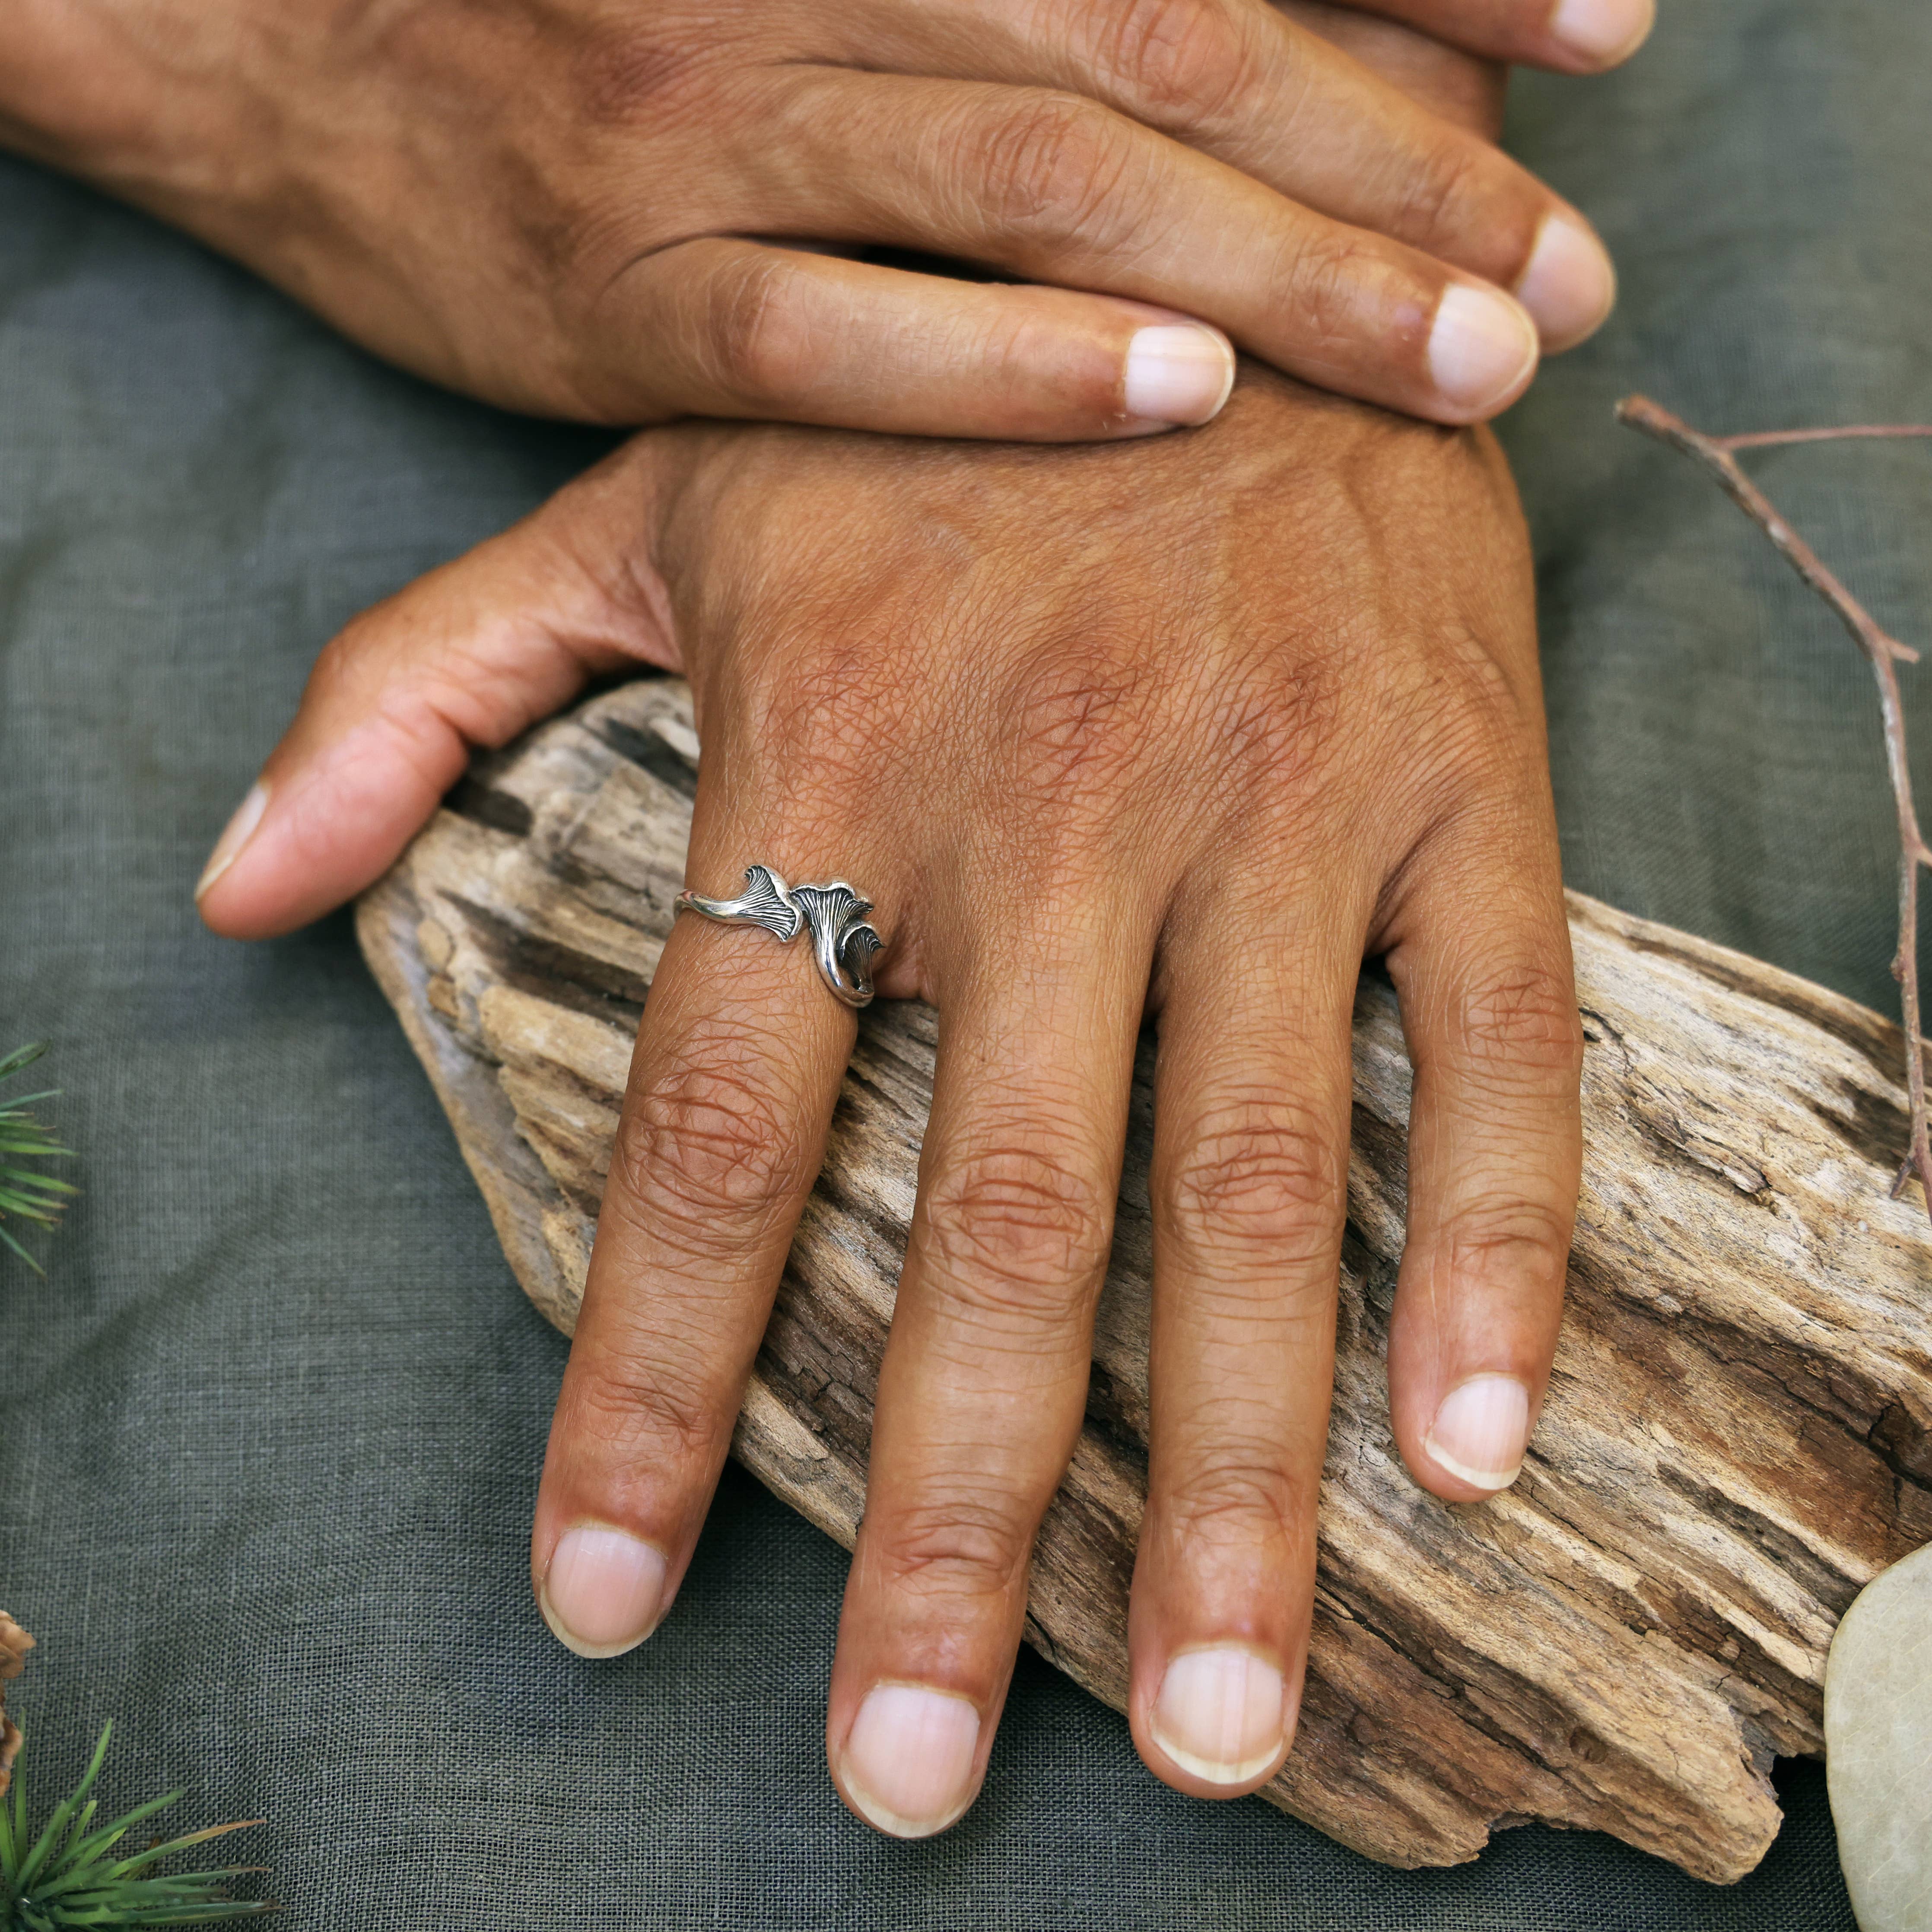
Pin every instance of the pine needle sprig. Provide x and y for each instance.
(66, 1876)
(25, 1191)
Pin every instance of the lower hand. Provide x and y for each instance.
(1184, 729)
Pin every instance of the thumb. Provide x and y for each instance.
(471, 654)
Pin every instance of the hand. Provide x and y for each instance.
(1184, 727)
(565, 207)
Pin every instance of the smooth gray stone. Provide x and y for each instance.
(1878, 1748)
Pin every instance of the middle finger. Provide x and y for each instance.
(984, 1382)
(1249, 1186)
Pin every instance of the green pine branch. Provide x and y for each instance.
(67, 1875)
(26, 1193)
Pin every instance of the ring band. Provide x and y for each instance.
(842, 944)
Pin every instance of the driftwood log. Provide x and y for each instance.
(1739, 1436)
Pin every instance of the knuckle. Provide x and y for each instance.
(1326, 274)
(348, 656)
(1006, 1223)
(954, 1550)
(1257, 1173)
(1510, 1236)
(825, 726)
(1434, 199)
(1285, 728)
(1181, 59)
(616, 1406)
(713, 1137)
(756, 342)
(1478, 683)
(1051, 168)
(1522, 1020)
(1472, 716)
(630, 69)
(1078, 726)
(1238, 1494)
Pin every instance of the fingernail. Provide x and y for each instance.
(1569, 285)
(236, 834)
(1180, 374)
(1481, 1431)
(908, 1761)
(1482, 349)
(1603, 31)
(1219, 1714)
(601, 1592)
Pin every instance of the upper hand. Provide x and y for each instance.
(583, 210)
(1187, 727)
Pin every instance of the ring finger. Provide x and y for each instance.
(736, 1069)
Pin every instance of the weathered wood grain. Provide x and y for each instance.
(1739, 1435)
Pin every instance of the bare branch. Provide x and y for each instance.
(1882, 652)
(1777, 439)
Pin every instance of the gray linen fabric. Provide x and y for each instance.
(271, 1427)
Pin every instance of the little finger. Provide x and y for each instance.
(1481, 961)
(745, 328)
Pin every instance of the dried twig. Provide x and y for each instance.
(1882, 652)
(1777, 439)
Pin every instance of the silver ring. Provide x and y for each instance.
(843, 944)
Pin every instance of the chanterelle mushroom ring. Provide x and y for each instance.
(841, 942)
